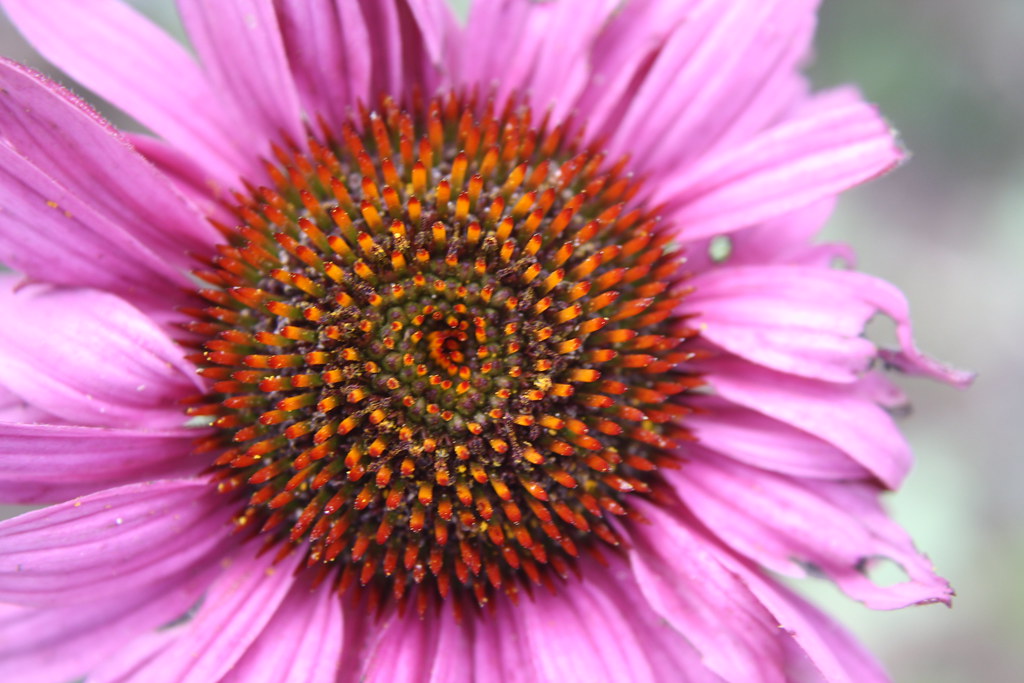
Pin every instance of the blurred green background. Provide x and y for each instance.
(947, 228)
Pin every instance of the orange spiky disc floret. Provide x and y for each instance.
(444, 349)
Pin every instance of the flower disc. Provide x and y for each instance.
(444, 348)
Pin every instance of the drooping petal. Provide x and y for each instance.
(91, 358)
(42, 463)
(788, 524)
(788, 239)
(69, 143)
(117, 53)
(668, 653)
(747, 627)
(684, 582)
(234, 614)
(833, 142)
(301, 643)
(807, 321)
(110, 543)
(752, 438)
(846, 416)
(838, 657)
(804, 321)
(240, 45)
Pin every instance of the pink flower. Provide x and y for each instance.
(463, 410)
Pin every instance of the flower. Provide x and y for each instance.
(505, 350)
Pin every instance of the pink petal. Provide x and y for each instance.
(239, 43)
(787, 524)
(53, 236)
(623, 56)
(484, 650)
(726, 72)
(789, 239)
(600, 629)
(747, 626)
(62, 643)
(66, 140)
(91, 358)
(846, 416)
(684, 581)
(550, 42)
(48, 464)
(401, 649)
(117, 53)
(300, 644)
(669, 654)
(14, 408)
(406, 40)
(838, 657)
(346, 53)
(236, 611)
(500, 652)
(831, 144)
(805, 321)
(110, 543)
(326, 56)
(755, 439)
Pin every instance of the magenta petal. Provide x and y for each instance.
(725, 72)
(668, 653)
(234, 614)
(800, 320)
(838, 657)
(49, 464)
(551, 43)
(787, 524)
(14, 408)
(402, 649)
(846, 416)
(830, 144)
(747, 627)
(53, 236)
(91, 358)
(625, 54)
(806, 320)
(62, 643)
(755, 439)
(789, 239)
(568, 641)
(684, 581)
(119, 54)
(345, 53)
(405, 43)
(109, 543)
(189, 178)
(325, 56)
(241, 49)
(300, 644)
(66, 140)
(501, 654)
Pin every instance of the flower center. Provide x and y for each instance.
(444, 350)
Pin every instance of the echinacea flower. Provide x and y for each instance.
(410, 351)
